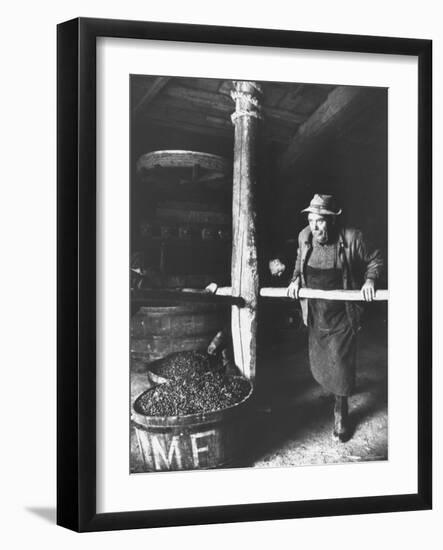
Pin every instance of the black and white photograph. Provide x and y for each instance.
(221, 245)
(258, 274)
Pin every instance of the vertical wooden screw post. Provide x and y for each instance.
(244, 272)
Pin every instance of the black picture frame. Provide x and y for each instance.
(76, 372)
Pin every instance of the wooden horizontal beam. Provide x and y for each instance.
(333, 109)
(147, 295)
(222, 103)
(207, 127)
(345, 295)
(165, 122)
(288, 118)
(225, 294)
(279, 125)
(281, 292)
(152, 92)
(201, 98)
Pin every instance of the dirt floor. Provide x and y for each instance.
(296, 423)
(292, 420)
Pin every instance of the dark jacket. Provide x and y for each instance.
(359, 262)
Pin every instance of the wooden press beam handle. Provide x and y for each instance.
(280, 292)
(146, 295)
(224, 293)
(348, 295)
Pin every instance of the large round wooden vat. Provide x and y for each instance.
(195, 441)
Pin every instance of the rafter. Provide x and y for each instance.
(158, 85)
(332, 111)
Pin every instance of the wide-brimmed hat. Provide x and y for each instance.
(323, 205)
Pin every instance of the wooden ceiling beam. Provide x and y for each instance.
(339, 104)
(174, 107)
(213, 128)
(171, 111)
(286, 117)
(152, 92)
(190, 127)
(223, 103)
(215, 101)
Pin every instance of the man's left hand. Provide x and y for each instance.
(276, 267)
(368, 290)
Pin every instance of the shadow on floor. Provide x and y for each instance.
(48, 514)
(294, 422)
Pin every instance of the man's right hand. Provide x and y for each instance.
(293, 289)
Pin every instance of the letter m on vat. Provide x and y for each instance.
(161, 459)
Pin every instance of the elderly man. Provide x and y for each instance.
(330, 257)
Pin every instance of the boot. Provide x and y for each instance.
(341, 418)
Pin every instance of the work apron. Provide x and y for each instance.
(332, 342)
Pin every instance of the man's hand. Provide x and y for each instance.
(293, 289)
(368, 290)
(276, 267)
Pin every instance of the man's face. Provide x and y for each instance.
(320, 227)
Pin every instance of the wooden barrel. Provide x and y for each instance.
(194, 441)
(158, 330)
